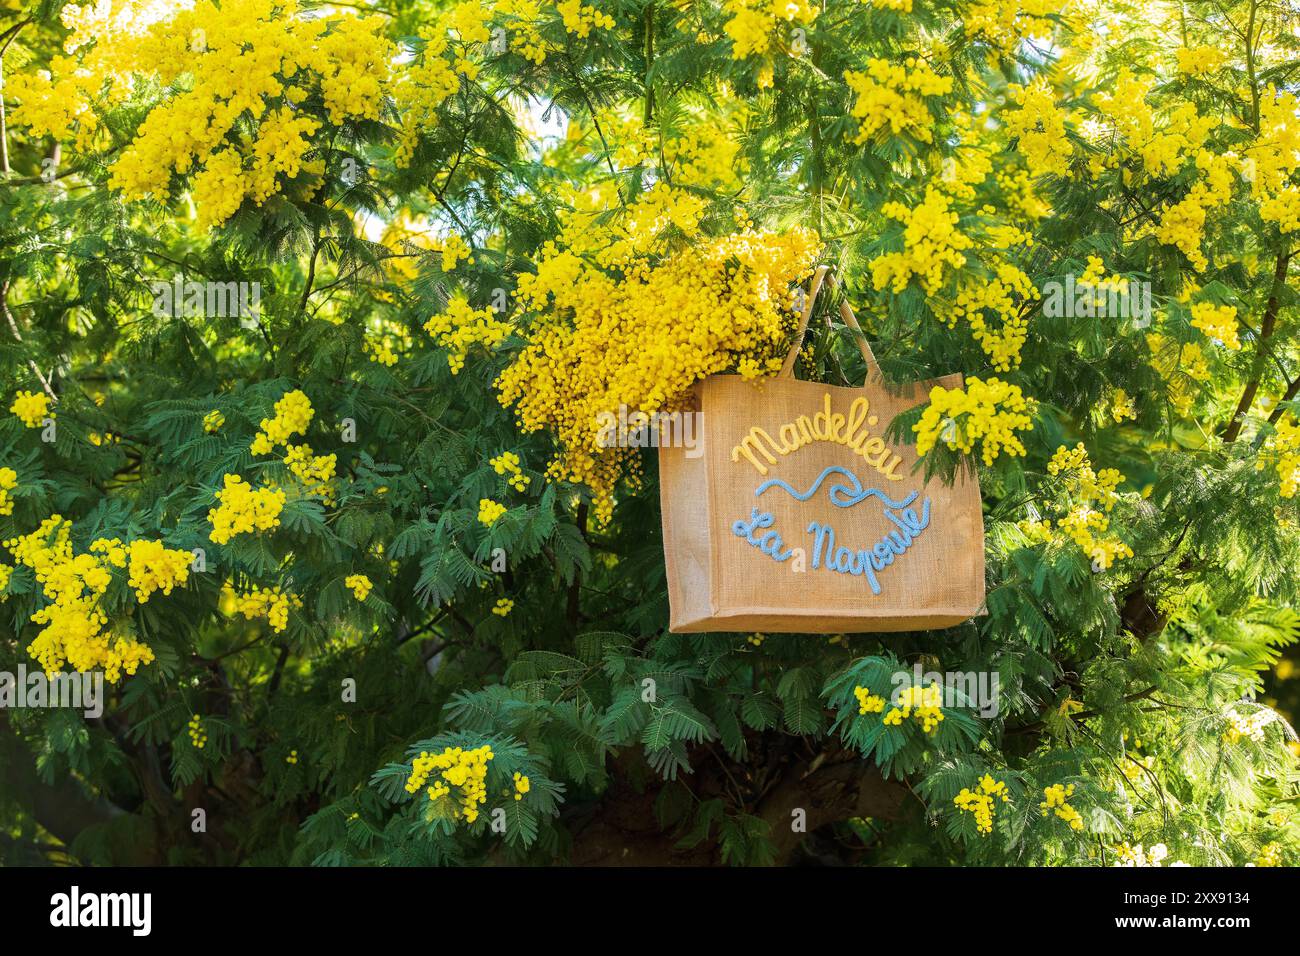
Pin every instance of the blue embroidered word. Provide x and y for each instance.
(846, 491)
(841, 495)
(759, 532)
(867, 563)
(769, 542)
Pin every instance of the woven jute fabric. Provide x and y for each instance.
(794, 513)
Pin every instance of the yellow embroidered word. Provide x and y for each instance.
(823, 426)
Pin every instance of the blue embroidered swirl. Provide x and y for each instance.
(841, 495)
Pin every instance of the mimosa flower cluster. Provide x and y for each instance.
(243, 509)
(1274, 159)
(1008, 295)
(379, 350)
(359, 584)
(1249, 726)
(1076, 467)
(1183, 224)
(868, 703)
(271, 604)
(753, 23)
(293, 414)
(1270, 854)
(155, 567)
(1038, 127)
(1218, 322)
(1199, 60)
(1137, 769)
(980, 801)
(489, 511)
(232, 62)
(507, 465)
(74, 624)
(462, 328)
(1006, 25)
(600, 227)
(198, 736)
(315, 472)
(1055, 800)
(1036, 530)
(580, 20)
(606, 267)
(462, 776)
(989, 412)
(8, 482)
(523, 19)
(1094, 278)
(922, 704)
(1089, 490)
(448, 53)
(1282, 449)
(894, 95)
(522, 785)
(433, 76)
(238, 74)
(1162, 144)
(1183, 366)
(596, 222)
(1134, 856)
(931, 241)
(32, 408)
(644, 339)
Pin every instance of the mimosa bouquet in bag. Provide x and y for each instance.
(799, 514)
(785, 506)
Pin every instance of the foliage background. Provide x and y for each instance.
(1129, 684)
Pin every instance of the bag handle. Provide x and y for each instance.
(822, 275)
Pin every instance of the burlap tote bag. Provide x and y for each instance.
(793, 513)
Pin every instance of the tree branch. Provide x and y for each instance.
(1233, 428)
(13, 327)
(1290, 393)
